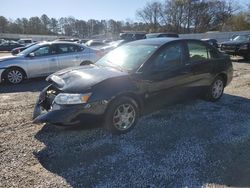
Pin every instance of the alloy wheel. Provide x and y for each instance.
(15, 76)
(124, 117)
(217, 89)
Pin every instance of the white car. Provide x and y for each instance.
(45, 58)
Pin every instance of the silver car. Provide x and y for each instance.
(43, 59)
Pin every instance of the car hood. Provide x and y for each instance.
(235, 42)
(7, 58)
(81, 79)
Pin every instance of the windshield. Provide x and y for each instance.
(29, 49)
(242, 38)
(127, 57)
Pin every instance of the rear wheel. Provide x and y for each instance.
(215, 90)
(121, 115)
(14, 76)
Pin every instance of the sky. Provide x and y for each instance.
(80, 9)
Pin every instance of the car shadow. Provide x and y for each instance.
(183, 145)
(31, 85)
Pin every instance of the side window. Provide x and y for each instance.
(67, 48)
(42, 51)
(197, 52)
(62, 48)
(169, 57)
(73, 48)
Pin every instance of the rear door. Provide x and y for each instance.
(69, 55)
(201, 60)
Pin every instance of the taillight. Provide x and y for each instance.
(99, 53)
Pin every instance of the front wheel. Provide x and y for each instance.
(215, 90)
(14, 76)
(121, 115)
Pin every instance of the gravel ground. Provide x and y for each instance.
(193, 144)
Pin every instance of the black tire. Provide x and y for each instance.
(215, 90)
(86, 63)
(112, 119)
(14, 76)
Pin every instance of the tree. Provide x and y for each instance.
(53, 26)
(151, 14)
(35, 25)
(3, 24)
(45, 20)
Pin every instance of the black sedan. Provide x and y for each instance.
(238, 45)
(22, 48)
(8, 46)
(212, 42)
(119, 86)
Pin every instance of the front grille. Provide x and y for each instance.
(51, 93)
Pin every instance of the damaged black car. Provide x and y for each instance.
(119, 86)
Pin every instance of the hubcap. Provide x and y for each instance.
(217, 89)
(15, 76)
(124, 116)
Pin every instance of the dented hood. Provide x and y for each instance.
(81, 79)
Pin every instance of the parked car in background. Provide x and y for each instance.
(125, 38)
(95, 44)
(131, 36)
(10, 45)
(20, 49)
(25, 41)
(2, 41)
(239, 45)
(212, 42)
(121, 84)
(69, 40)
(43, 59)
(159, 35)
(112, 45)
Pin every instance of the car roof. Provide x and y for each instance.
(158, 41)
(57, 42)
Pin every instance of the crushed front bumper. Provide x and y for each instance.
(46, 111)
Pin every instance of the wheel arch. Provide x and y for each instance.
(131, 95)
(86, 62)
(224, 77)
(13, 67)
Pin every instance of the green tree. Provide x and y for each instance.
(3, 24)
(45, 20)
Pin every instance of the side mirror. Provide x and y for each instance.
(32, 54)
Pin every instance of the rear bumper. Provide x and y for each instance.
(68, 114)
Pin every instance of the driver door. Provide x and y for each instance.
(167, 75)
